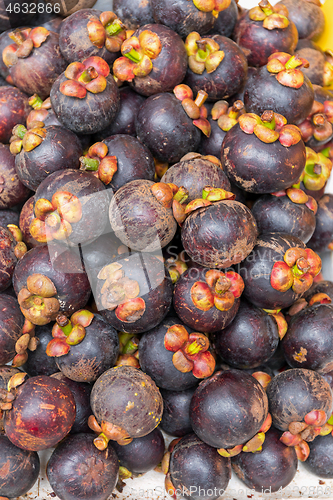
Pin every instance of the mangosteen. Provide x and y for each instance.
(4, 41)
(9, 217)
(319, 461)
(226, 20)
(176, 412)
(153, 60)
(265, 29)
(134, 13)
(26, 217)
(322, 240)
(20, 469)
(12, 191)
(307, 16)
(317, 129)
(14, 109)
(77, 469)
(38, 362)
(85, 98)
(263, 154)
(322, 286)
(316, 173)
(216, 65)
(34, 60)
(12, 322)
(11, 250)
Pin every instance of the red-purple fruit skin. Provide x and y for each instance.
(294, 393)
(228, 78)
(133, 13)
(307, 16)
(258, 167)
(19, 469)
(42, 404)
(38, 362)
(14, 109)
(226, 20)
(26, 216)
(322, 286)
(323, 233)
(8, 259)
(194, 465)
(228, 408)
(77, 469)
(12, 191)
(11, 322)
(271, 469)
(64, 269)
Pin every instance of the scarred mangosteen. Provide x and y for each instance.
(307, 16)
(134, 292)
(174, 358)
(196, 468)
(282, 87)
(142, 454)
(41, 404)
(317, 129)
(319, 461)
(263, 154)
(85, 98)
(153, 60)
(119, 159)
(14, 109)
(322, 238)
(194, 172)
(263, 30)
(300, 403)
(71, 207)
(176, 412)
(40, 151)
(12, 322)
(218, 233)
(134, 13)
(251, 339)
(207, 300)
(290, 211)
(6, 372)
(278, 271)
(273, 468)
(84, 346)
(126, 404)
(19, 469)
(12, 191)
(34, 60)
(77, 469)
(229, 411)
(49, 279)
(215, 64)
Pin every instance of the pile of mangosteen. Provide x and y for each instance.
(163, 217)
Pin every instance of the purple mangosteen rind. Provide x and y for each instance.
(307, 16)
(14, 110)
(133, 13)
(12, 191)
(11, 322)
(319, 461)
(322, 237)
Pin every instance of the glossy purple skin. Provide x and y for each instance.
(194, 464)
(124, 122)
(42, 403)
(271, 469)
(307, 16)
(323, 286)
(294, 393)
(11, 322)
(258, 43)
(258, 167)
(133, 13)
(155, 289)
(142, 454)
(164, 127)
(195, 174)
(12, 191)
(316, 59)
(308, 342)
(321, 94)
(257, 267)
(319, 461)
(20, 469)
(64, 269)
(74, 41)
(228, 78)
(249, 340)
(61, 149)
(201, 321)
(88, 115)
(77, 469)
(14, 109)
(228, 408)
(202, 230)
(280, 214)
(323, 233)
(212, 145)
(36, 73)
(263, 91)
(134, 160)
(176, 412)
(182, 16)
(4, 41)
(156, 360)
(225, 23)
(39, 363)
(169, 67)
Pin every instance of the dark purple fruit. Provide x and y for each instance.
(42, 404)
(6, 372)
(77, 469)
(228, 409)
(14, 109)
(269, 470)
(8, 257)
(307, 16)
(11, 18)
(134, 13)
(319, 461)
(26, 217)
(19, 469)
(226, 20)
(38, 363)
(323, 286)
(322, 238)
(12, 191)
(4, 41)
(9, 217)
(142, 454)
(283, 214)
(197, 470)
(176, 412)
(250, 340)
(98, 254)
